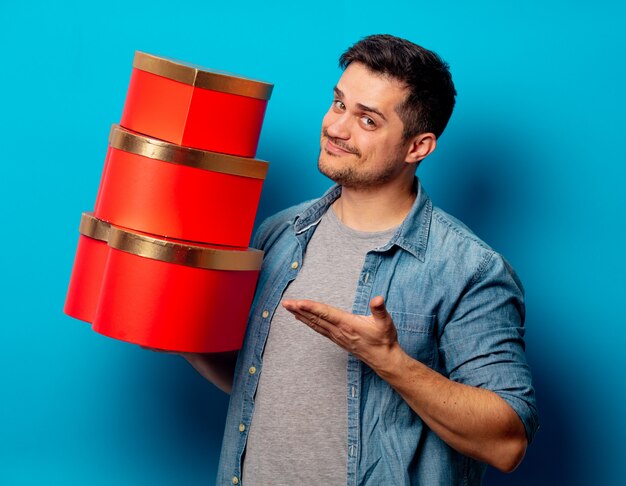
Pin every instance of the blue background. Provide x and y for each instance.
(532, 160)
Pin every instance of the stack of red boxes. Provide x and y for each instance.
(164, 260)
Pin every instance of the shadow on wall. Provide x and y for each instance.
(176, 418)
(487, 187)
(485, 184)
(555, 456)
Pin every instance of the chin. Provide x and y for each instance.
(344, 177)
(325, 168)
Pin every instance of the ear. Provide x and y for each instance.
(420, 147)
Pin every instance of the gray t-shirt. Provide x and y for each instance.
(298, 433)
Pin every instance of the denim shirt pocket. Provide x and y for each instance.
(416, 335)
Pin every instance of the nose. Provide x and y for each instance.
(337, 125)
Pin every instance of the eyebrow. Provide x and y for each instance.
(360, 106)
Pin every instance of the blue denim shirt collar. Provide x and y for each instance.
(414, 228)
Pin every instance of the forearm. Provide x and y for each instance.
(474, 421)
(218, 368)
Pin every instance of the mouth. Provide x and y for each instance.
(333, 149)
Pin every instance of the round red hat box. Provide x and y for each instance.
(195, 107)
(176, 296)
(89, 264)
(161, 188)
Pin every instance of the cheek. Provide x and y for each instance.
(378, 147)
(367, 146)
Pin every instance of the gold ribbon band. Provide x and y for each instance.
(136, 143)
(201, 77)
(93, 227)
(184, 253)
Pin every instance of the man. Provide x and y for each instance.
(385, 341)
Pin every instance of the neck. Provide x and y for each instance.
(375, 209)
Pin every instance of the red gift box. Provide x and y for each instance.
(160, 188)
(195, 107)
(172, 295)
(89, 264)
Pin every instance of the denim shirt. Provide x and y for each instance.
(458, 308)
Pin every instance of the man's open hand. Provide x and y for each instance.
(373, 339)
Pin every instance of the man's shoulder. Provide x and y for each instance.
(453, 241)
(446, 230)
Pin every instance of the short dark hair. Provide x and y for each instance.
(430, 101)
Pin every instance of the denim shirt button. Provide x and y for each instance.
(252, 370)
(235, 480)
(242, 427)
(294, 265)
(265, 314)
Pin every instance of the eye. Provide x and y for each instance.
(368, 122)
(338, 105)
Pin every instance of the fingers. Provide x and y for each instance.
(322, 311)
(314, 323)
(300, 310)
(379, 311)
(316, 311)
(320, 317)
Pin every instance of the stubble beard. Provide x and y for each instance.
(353, 174)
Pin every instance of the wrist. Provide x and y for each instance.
(392, 364)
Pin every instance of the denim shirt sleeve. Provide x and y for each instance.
(482, 343)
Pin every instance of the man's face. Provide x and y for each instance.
(361, 144)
